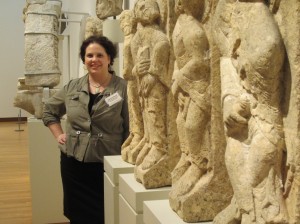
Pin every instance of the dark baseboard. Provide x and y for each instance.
(13, 119)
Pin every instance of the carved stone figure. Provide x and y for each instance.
(150, 51)
(194, 189)
(41, 44)
(93, 26)
(128, 26)
(251, 71)
(107, 8)
(287, 16)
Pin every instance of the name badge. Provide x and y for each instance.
(113, 99)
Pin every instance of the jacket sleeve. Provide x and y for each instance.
(54, 108)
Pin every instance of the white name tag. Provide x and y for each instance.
(113, 99)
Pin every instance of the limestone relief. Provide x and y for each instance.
(128, 26)
(194, 180)
(93, 26)
(150, 54)
(107, 8)
(41, 54)
(252, 59)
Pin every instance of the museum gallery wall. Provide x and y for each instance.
(213, 94)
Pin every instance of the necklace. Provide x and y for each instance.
(97, 88)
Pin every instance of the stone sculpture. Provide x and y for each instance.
(41, 44)
(128, 26)
(31, 100)
(150, 51)
(195, 194)
(93, 26)
(288, 19)
(41, 55)
(251, 71)
(107, 8)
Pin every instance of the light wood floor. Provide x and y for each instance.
(15, 196)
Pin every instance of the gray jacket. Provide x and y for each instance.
(90, 136)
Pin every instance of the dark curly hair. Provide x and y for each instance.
(103, 41)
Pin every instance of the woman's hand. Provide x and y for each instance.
(61, 139)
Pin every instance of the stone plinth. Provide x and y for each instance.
(113, 166)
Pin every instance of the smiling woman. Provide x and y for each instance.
(97, 126)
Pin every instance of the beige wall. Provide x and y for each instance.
(11, 54)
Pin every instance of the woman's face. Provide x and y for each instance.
(96, 59)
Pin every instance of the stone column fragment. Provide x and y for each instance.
(41, 44)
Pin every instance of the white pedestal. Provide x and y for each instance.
(45, 179)
(160, 212)
(113, 166)
(127, 214)
(134, 194)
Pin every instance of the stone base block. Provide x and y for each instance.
(135, 193)
(160, 212)
(127, 214)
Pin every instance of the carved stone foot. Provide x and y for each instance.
(153, 157)
(230, 215)
(136, 146)
(144, 151)
(181, 167)
(188, 180)
(126, 147)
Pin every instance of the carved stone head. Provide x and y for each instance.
(127, 22)
(147, 12)
(107, 8)
(190, 7)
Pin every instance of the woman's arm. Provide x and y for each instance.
(57, 132)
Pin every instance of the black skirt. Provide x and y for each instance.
(83, 189)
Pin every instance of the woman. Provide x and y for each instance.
(97, 125)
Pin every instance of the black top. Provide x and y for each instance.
(92, 100)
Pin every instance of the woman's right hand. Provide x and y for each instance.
(61, 139)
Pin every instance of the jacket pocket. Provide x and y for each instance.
(73, 100)
(76, 144)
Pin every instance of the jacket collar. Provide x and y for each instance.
(84, 85)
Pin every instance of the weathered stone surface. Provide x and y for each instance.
(259, 43)
(150, 52)
(41, 44)
(236, 85)
(93, 26)
(32, 100)
(107, 8)
(22, 86)
(129, 148)
(200, 187)
(41, 55)
(288, 19)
